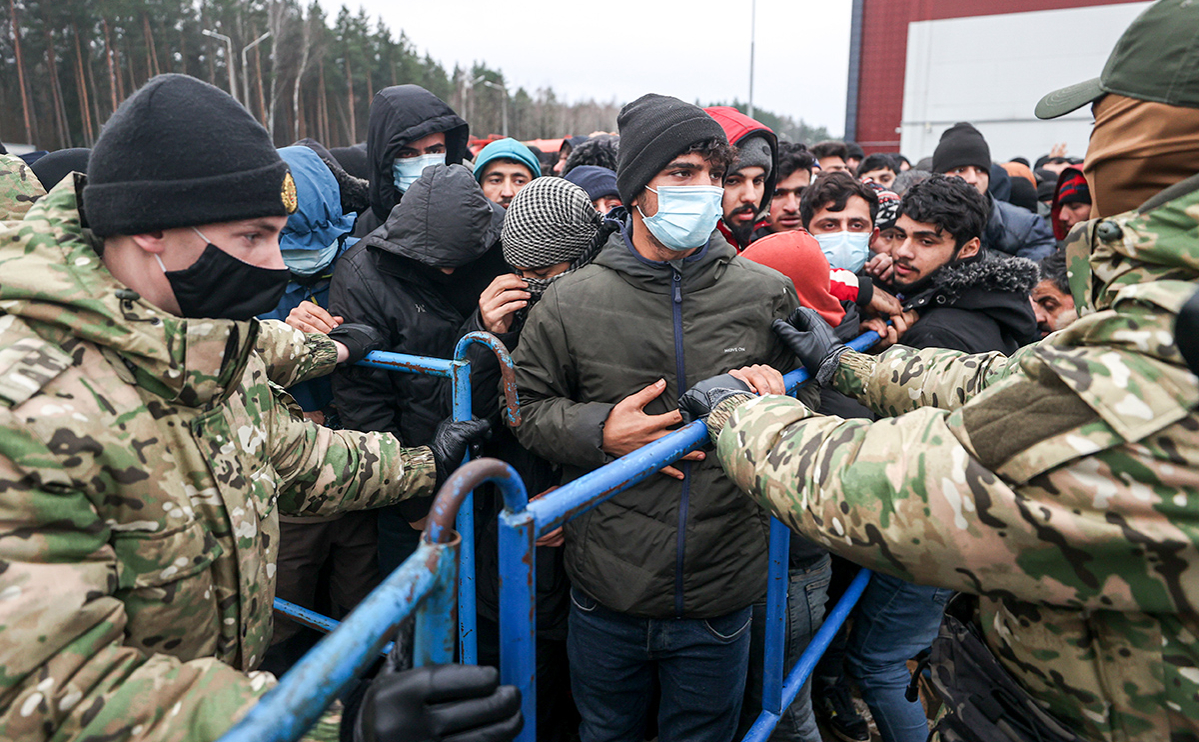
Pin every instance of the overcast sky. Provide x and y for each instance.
(696, 49)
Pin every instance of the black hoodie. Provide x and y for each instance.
(976, 305)
(391, 280)
(399, 115)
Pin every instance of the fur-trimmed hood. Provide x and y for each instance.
(990, 284)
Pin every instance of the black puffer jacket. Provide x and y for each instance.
(978, 305)
(399, 115)
(391, 280)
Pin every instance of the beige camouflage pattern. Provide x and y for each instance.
(1061, 485)
(144, 460)
(19, 188)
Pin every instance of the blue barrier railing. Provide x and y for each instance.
(523, 522)
(424, 582)
(458, 372)
(423, 586)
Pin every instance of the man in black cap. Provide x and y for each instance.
(963, 152)
(665, 573)
(146, 454)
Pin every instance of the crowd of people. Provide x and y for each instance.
(185, 433)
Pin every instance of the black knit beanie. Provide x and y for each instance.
(961, 145)
(179, 153)
(654, 129)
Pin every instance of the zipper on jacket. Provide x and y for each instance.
(676, 307)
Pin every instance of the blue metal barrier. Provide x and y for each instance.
(458, 372)
(424, 586)
(523, 522)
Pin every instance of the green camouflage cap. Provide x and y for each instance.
(1157, 59)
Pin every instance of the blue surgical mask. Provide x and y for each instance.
(310, 262)
(686, 215)
(405, 171)
(848, 250)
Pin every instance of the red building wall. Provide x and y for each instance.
(884, 48)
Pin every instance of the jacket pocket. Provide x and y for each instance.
(583, 601)
(147, 560)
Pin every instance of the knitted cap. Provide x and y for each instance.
(179, 153)
(653, 130)
(961, 145)
(550, 221)
(599, 182)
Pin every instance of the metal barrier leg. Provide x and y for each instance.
(465, 525)
(776, 617)
(799, 674)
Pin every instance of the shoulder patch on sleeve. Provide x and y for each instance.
(27, 366)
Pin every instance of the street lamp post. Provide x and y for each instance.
(753, 22)
(503, 103)
(229, 60)
(245, 67)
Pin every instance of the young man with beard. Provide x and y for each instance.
(749, 183)
(664, 574)
(794, 175)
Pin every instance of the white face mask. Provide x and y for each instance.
(405, 170)
(686, 215)
(848, 250)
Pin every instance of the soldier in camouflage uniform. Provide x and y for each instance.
(145, 457)
(1060, 485)
(19, 188)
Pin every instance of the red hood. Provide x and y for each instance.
(737, 126)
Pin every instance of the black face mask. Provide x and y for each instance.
(219, 286)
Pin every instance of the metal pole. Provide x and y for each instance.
(245, 68)
(228, 59)
(467, 634)
(504, 109)
(753, 23)
(778, 580)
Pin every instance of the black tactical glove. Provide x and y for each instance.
(811, 339)
(699, 401)
(450, 443)
(358, 339)
(464, 703)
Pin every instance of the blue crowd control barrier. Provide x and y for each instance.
(522, 523)
(424, 586)
(458, 372)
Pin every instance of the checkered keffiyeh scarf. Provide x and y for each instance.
(550, 221)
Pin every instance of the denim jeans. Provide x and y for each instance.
(807, 592)
(700, 666)
(893, 622)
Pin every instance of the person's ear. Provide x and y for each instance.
(970, 249)
(874, 238)
(151, 242)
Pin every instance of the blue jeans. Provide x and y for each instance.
(893, 622)
(807, 593)
(700, 666)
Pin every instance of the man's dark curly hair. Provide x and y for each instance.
(1053, 268)
(949, 203)
(833, 190)
(718, 152)
(794, 156)
(600, 150)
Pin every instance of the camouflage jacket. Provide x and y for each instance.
(19, 188)
(1060, 485)
(144, 460)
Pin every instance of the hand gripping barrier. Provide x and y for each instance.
(423, 584)
(523, 522)
(458, 372)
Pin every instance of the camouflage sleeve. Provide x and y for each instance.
(901, 496)
(904, 379)
(293, 356)
(64, 668)
(326, 471)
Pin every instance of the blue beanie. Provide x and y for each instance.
(506, 149)
(597, 181)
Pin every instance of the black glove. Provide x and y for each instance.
(699, 401)
(451, 440)
(811, 339)
(436, 702)
(358, 339)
